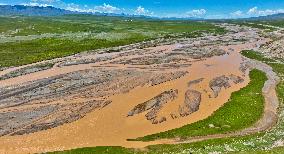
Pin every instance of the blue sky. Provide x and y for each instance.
(167, 8)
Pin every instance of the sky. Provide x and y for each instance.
(210, 9)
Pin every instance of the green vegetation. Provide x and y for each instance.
(243, 109)
(219, 145)
(196, 147)
(278, 150)
(277, 23)
(254, 55)
(97, 150)
(154, 149)
(278, 67)
(22, 26)
(19, 53)
(258, 25)
(253, 24)
(264, 25)
(32, 39)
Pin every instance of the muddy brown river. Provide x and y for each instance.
(159, 81)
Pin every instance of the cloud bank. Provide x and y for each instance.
(255, 12)
(196, 13)
(142, 11)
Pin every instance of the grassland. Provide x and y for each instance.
(25, 40)
(257, 25)
(277, 23)
(268, 25)
(25, 52)
(154, 149)
(98, 150)
(257, 56)
(219, 145)
(90, 23)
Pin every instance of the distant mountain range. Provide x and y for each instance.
(48, 11)
(52, 11)
(8, 10)
(33, 10)
(279, 16)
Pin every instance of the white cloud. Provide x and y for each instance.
(44, 1)
(106, 8)
(196, 13)
(252, 11)
(72, 7)
(237, 13)
(36, 4)
(142, 11)
(76, 8)
(41, 3)
(256, 12)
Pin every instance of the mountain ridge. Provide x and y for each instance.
(8, 10)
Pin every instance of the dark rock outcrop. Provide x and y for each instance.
(154, 105)
(218, 83)
(191, 103)
(236, 79)
(190, 83)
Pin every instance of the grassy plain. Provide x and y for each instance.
(267, 25)
(25, 40)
